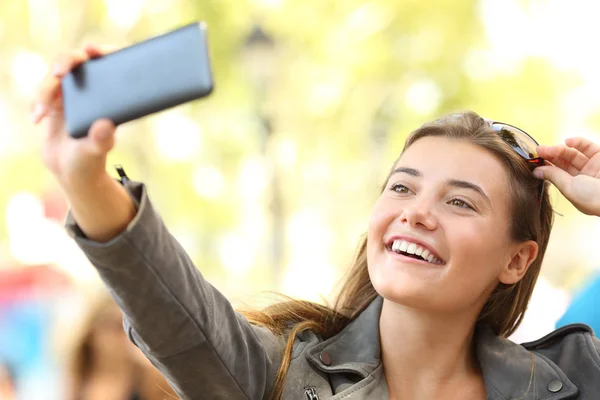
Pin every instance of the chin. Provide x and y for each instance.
(408, 291)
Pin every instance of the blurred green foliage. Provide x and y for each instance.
(352, 78)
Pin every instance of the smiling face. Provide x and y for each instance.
(447, 200)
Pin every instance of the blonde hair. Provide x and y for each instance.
(81, 354)
(504, 309)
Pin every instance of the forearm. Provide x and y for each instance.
(181, 322)
(102, 209)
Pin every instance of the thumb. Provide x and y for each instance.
(559, 177)
(102, 137)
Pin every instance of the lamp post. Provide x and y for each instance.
(379, 133)
(259, 60)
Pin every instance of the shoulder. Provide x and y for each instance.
(273, 344)
(562, 335)
(570, 347)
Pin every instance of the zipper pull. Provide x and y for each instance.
(122, 175)
(311, 393)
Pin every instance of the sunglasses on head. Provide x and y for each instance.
(522, 143)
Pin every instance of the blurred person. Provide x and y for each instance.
(8, 386)
(454, 246)
(105, 365)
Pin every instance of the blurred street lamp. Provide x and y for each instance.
(259, 58)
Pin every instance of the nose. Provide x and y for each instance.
(419, 214)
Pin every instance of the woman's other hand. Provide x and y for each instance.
(574, 168)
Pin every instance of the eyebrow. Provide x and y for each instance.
(451, 182)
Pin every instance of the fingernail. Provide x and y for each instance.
(37, 112)
(538, 173)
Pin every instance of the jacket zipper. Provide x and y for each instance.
(311, 393)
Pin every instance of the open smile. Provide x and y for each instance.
(407, 249)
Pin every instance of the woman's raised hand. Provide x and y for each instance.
(72, 161)
(101, 207)
(574, 168)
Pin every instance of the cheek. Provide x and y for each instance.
(478, 255)
(379, 221)
(477, 242)
(381, 217)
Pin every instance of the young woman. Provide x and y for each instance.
(453, 250)
(105, 365)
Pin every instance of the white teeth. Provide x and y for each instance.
(403, 246)
(412, 248)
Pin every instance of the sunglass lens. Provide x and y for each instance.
(521, 142)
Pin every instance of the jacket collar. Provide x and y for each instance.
(512, 371)
(356, 348)
(506, 366)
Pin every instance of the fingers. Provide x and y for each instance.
(65, 63)
(50, 88)
(559, 177)
(585, 146)
(47, 92)
(567, 158)
(94, 50)
(102, 135)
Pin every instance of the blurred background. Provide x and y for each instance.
(268, 183)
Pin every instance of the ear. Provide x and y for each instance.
(523, 255)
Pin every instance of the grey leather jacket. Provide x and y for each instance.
(208, 351)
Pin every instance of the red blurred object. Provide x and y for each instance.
(55, 206)
(26, 282)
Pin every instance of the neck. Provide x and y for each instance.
(425, 355)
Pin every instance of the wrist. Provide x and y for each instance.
(75, 186)
(102, 207)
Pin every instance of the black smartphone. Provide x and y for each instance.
(138, 80)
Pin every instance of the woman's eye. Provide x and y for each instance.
(398, 188)
(460, 203)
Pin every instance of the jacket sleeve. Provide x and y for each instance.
(186, 327)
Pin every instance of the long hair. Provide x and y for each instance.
(81, 355)
(503, 310)
(102, 313)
